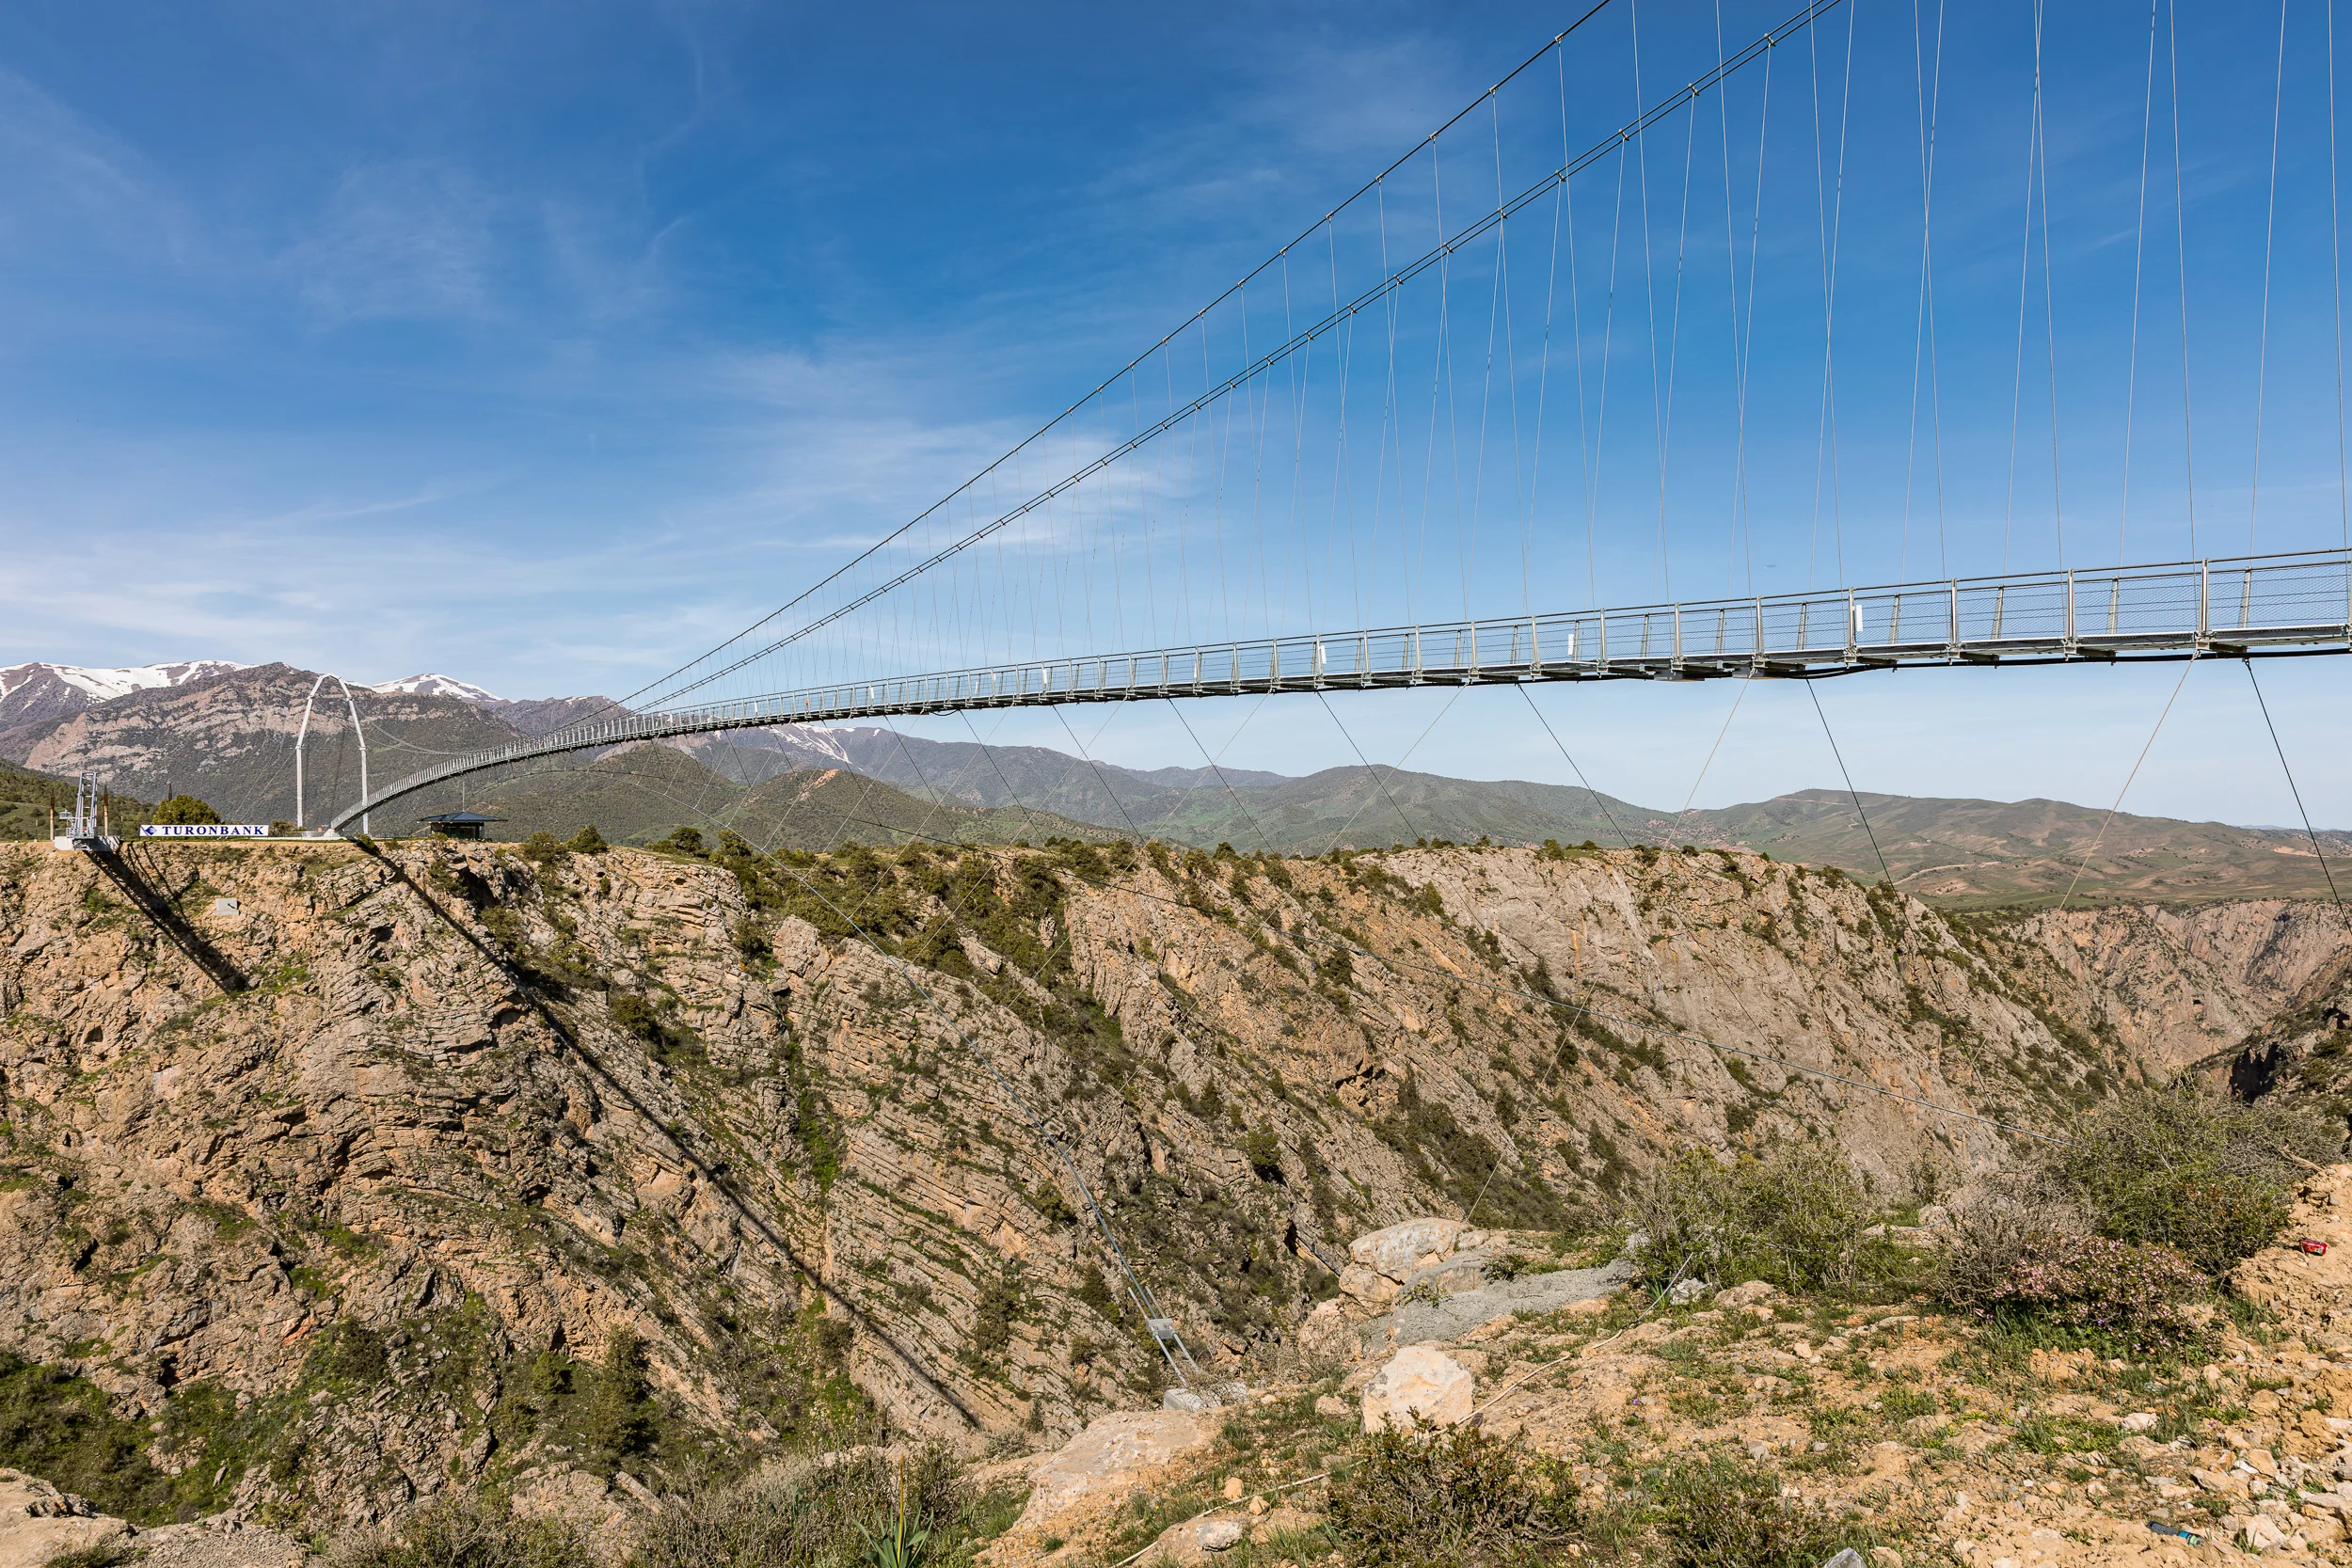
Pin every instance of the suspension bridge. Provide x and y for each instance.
(1922, 336)
(1675, 294)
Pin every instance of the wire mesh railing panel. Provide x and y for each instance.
(2302, 594)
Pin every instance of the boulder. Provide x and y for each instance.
(2263, 1533)
(1397, 1249)
(39, 1522)
(1419, 1321)
(2139, 1421)
(1221, 1535)
(1421, 1386)
(1750, 1294)
(1464, 1270)
(1110, 1458)
(1368, 1286)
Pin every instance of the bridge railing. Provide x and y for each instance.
(2247, 604)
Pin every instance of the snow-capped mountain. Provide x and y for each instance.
(438, 686)
(34, 691)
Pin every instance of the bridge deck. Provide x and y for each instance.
(2245, 607)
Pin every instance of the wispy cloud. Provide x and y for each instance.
(71, 180)
(411, 239)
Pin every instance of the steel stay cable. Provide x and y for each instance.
(1735, 700)
(1604, 804)
(2317, 853)
(1298, 934)
(1684, 96)
(2098, 838)
(1264, 842)
(1697, 953)
(1138, 1291)
(1853, 794)
(2270, 236)
(1332, 842)
(1367, 764)
(1398, 964)
(1086, 756)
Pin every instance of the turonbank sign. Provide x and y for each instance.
(204, 829)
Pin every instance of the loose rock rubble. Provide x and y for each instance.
(1955, 1447)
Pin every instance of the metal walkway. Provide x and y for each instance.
(2247, 606)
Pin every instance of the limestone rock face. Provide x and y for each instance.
(39, 1522)
(366, 1138)
(1420, 1387)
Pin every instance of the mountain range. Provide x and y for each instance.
(225, 732)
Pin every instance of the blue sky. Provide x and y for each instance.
(547, 345)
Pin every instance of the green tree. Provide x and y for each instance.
(619, 1420)
(587, 842)
(186, 811)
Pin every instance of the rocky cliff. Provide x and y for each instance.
(346, 1172)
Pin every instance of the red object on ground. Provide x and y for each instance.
(2316, 1248)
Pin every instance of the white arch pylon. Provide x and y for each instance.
(301, 734)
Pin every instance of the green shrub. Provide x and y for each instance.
(635, 1016)
(586, 842)
(542, 848)
(466, 1531)
(814, 1514)
(1794, 1216)
(349, 1353)
(2135, 1292)
(186, 811)
(1719, 1511)
(1458, 1497)
(2190, 1168)
(1989, 1237)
